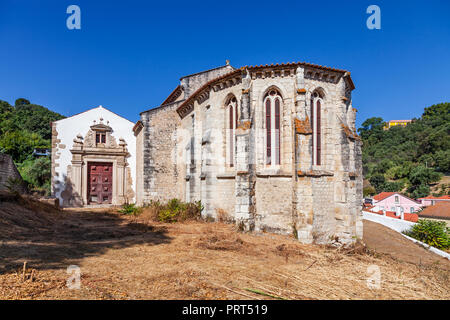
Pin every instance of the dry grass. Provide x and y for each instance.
(219, 240)
(197, 260)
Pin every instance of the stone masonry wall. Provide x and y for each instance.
(273, 205)
(8, 170)
(160, 171)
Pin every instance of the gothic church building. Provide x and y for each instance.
(272, 147)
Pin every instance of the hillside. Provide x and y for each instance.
(410, 159)
(23, 127)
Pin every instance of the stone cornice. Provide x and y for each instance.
(100, 152)
(263, 174)
(101, 127)
(226, 175)
(349, 133)
(174, 95)
(311, 71)
(138, 127)
(314, 173)
(202, 94)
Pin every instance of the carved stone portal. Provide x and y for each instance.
(98, 146)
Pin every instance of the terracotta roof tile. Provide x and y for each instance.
(439, 210)
(173, 95)
(446, 197)
(306, 64)
(413, 217)
(383, 195)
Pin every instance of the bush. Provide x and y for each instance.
(393, 186)
(14, 185)
(176, 210)
(37, 173)
(130, 209)
(369, 191)
(433, 233)
(377, 181)
(419, 191)
(173, 211)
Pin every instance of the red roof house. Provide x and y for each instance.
(431, 200)
(440, 210)
(396, 202)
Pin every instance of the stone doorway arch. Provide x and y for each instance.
(98, 146)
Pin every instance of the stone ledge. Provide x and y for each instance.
(352, 175)
(226, 175)
(265, 174)
(314, 173)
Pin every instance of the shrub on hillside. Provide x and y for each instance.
(369, 191)
(433, 233)
(130, 209)
(173, 211)
(36, 173)
(176, 210)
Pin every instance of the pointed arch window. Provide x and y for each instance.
(273, 109)
(316, 125)
(232, 114)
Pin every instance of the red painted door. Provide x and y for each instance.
(99, 182)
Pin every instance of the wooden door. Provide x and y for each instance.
(99, 182)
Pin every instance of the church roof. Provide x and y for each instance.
(205, 71)
(300, 63)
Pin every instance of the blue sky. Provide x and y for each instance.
(129, 55)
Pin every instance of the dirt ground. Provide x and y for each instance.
(388, 241)
(126, 258)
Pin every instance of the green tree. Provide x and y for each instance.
(371, 127)
(21, 101)
(34, 118)
(5, 107)
(421, 175)
(393, 186)
(419, 191)
(442, 160)
(369, 191)
(410, 156)
(20, 144)
(377, 181)
(36, 171)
